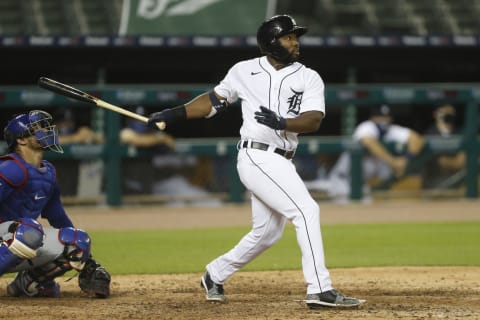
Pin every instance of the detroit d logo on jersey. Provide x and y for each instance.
(294, 102)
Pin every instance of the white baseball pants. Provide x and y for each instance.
(278, 194)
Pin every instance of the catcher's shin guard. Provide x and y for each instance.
(39, 281)
(94, 279)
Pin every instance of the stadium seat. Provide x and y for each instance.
(352, 17)
(401, 18)
(466, 16)
(11, 20)
(323, 17)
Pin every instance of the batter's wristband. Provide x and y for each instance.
(176, 114)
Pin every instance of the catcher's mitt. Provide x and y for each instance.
(94, 279)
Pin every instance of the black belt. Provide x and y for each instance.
(263, 146)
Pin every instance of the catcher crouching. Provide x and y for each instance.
(29, 190)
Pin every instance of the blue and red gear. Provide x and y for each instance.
(77, 246)
(35, 123)
(30, 192)
(27, 237)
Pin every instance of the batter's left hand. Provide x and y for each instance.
(162, 116)
(270, 119)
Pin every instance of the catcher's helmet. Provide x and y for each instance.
(35, 123)
(272, 29)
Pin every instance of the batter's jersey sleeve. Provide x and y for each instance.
(314, 95)
(227, 87)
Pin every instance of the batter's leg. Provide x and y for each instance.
(267, 229)
(275, 181)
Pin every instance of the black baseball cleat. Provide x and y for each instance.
(331, 298)
(26, 285)
(214, 291)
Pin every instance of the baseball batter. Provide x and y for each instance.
(28, 190)
(280, 99)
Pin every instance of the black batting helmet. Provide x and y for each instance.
(272, 29)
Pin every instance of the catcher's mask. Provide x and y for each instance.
(272, 29)
(36, 123)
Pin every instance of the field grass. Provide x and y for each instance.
(362, 245)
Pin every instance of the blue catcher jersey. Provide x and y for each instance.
(27, 191)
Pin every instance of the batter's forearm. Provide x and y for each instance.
(199, 107)
(306, 122)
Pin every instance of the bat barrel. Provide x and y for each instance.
(79, 95)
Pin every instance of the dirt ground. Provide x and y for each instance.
(391, 293)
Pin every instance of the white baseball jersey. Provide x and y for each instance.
(395, 133)
(288, 92)
(277, 192)
(372, 166)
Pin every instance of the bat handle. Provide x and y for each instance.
(161, 125)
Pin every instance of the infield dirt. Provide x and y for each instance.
(391, 293)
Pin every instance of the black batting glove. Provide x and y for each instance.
(270, 119)
(162, 116)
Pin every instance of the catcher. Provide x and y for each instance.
(28, 190)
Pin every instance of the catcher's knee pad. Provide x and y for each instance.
(39, 281)
(27, 237)
(77, 247)
(75, 252)
(24, 238)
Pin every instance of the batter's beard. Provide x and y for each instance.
(291, 58)
(294, 57)
(285, 57)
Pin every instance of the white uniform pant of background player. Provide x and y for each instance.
(278, 194)
(339, 184)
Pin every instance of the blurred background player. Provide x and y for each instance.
(70, 131)
(137, 172)
(445, 170)
(183, 179)
(378, 163)
(28, 191)
(137, 134)
(84, 178)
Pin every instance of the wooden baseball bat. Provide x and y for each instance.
(79, 95)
